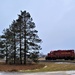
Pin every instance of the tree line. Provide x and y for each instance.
(20, 41)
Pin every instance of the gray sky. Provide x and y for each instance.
(54, 19)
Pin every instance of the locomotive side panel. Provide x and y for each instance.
(61, 54)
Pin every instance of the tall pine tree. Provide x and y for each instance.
(21, 38)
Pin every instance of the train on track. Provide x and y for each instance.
(61, 54)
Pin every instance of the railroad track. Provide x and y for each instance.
(68, 61)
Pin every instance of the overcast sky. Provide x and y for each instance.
(54, 19)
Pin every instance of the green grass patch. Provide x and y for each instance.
(54, 67)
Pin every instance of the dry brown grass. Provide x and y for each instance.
(50, 66)
(7, 67)
(58, 67)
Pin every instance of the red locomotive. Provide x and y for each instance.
(61, 54)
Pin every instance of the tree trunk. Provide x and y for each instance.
(25, 44)
(14, 49)
(6, 54)
(20, 47)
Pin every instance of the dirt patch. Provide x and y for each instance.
(7, 67)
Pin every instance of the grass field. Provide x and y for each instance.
(40, 67)
(58, 67)
(55, 67)
(17, 67)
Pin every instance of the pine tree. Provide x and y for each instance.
(21, 38)
(5, 41)
(13, 39)
(1, 48)
(31, 39)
